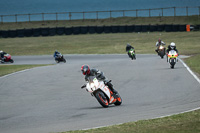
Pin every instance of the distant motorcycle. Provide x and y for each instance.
(7, 58)
(60, 58)
(101, 92)
(172, 58)
(131, 54)
(161, 51)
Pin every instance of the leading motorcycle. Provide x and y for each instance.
(161, 51)
(131, 54)
(7, 58)
(172, 58)
(101, 92)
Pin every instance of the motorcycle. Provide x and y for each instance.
(7, 58)
(60, 58)
(131, 54)
(101, 92)
(161, 51)
(172, 58)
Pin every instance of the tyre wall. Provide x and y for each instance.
(93, 29)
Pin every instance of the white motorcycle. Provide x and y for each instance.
(102, 92)
(172, 58)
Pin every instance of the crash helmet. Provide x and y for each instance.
(1, 51)
(85, 69)
(172, 45)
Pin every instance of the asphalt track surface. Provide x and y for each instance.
(49, 98)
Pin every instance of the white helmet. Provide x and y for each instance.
(172, 45)
(1, 51)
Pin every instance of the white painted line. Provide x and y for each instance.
(194, 75)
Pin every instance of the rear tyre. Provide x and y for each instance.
(101, 98)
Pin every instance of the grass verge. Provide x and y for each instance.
(194, 63)
(181, 123)
(7, 69)
(186, 42)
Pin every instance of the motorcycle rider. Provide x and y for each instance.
(56, 53)
(128, 47)
(172, 46)
(158, 43)
(85, 69)
(2, 53)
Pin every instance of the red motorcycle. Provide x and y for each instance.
(7, 58)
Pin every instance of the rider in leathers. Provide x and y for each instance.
(172, 46)
(98, 74)
(158, 43)
(2, 53)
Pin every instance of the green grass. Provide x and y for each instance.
(187, 43)
(7, 69)
(181, 123)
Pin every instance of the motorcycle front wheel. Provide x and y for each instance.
(119, 100)
(11, 60)
(101, 98)
(172, 63)
(64, 60)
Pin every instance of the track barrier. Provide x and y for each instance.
(60, 30)
(96, 29)
(92, 29)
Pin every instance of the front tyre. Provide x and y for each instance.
(134, 57)
(162, 53)
(64, 60)
(172, 63)
(101, 98)
(119, 100)
(11, 61)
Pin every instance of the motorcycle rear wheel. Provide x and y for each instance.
(101, 98)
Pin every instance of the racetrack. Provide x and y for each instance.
(49, 99)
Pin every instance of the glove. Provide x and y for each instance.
(83, 86)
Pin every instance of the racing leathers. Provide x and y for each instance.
(169, 48)
(128, 47)
(158, 44)
(2, 56)
(56, 54)
(100, 76)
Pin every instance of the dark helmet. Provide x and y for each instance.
(85, 69)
